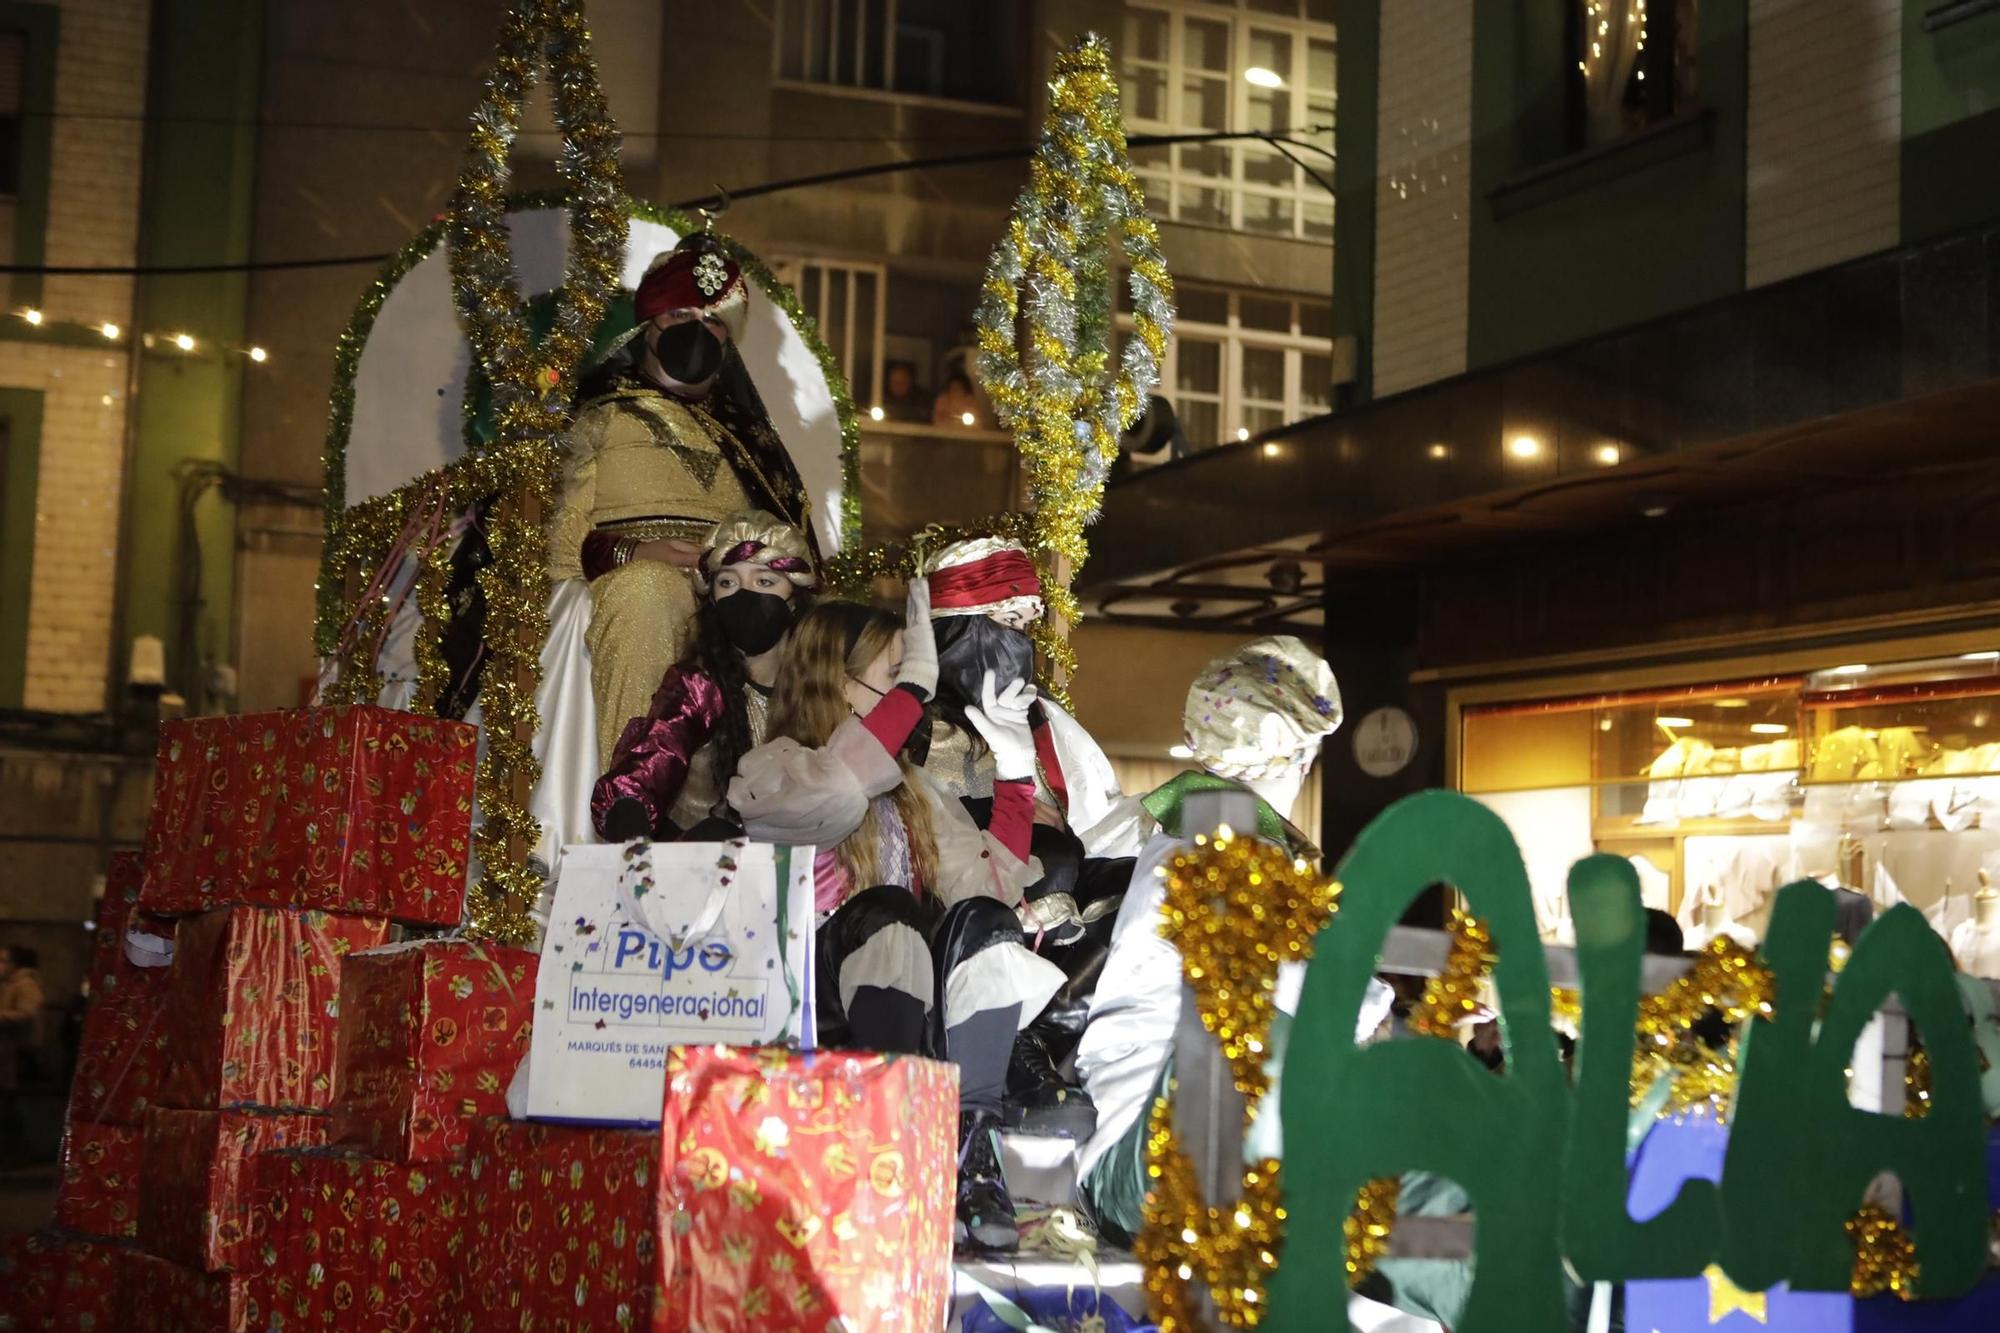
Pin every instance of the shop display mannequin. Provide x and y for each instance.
(1712, 920)
(1975, 944)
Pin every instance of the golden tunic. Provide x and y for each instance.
(643, 464)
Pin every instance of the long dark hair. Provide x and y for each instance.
(711, 653)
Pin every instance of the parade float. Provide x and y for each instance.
(315, 988)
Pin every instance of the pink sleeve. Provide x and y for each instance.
(1013, 822)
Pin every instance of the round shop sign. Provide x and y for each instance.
(1384, 742)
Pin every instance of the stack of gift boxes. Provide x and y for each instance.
(301, 1121)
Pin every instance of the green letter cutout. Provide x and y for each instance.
(1423, 1104)
(1800, 1156)
(1602, 1241)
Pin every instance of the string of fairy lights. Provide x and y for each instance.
(178, 341)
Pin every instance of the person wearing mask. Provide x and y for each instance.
(669, 438)
(985, 598)
(21, 1002)
(669, 776)
(919, 945)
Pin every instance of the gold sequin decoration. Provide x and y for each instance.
(1235, 909)
(1885, 1258)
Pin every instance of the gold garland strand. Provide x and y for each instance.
(1060, 396)
(1452, 995)
(530, 404)
(1236, 908)
(1725, 977)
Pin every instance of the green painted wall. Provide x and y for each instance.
(1645, 229)
(1951, 123)
(20, 466)
(1357, 76)
(197, 210)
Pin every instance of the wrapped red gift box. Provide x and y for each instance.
(60, 1285)
(159, 1296)
(430, 1034)
(99, 1193)
(805, 1189)
(561, 1225)
(252, 1006)
(353, 1241)
(30, 1271)
(195, 1192)
(349, 809)
(120, 1057)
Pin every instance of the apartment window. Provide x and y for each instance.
(13, 62)
(847, 302)
(1633, 66)
(926, 48)
(1242, 363)
(1263, 66)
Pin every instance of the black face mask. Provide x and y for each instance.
(689, 352)
(753, 621)
(971, 646)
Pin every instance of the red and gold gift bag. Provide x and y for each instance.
(121, 1056)
(156, 1295)
(565, 1216)
(806, 1191)
(196, 1191)
(346, 809)
(99, 1192)
(252, 1006)
(352, 1241)
(431, 1032)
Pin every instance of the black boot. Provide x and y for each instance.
(985, 1211)
(1038, 1100)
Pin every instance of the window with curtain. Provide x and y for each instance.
(1256, 66)
(1634, 66)
(927, 48)
(847, 301)
(1244, 362)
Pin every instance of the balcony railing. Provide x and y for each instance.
(913, 475)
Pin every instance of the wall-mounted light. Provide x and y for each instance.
(259, 355)
(875, 414)
(184, 341)
(33, 316)
(1769, 728)
(1607, 454)
(1439, 452)
(110, 331)
(1258, 76)
(1525, 446)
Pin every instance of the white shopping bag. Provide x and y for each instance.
(661, 945)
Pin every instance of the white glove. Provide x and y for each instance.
(920, 660)
(1002, 722)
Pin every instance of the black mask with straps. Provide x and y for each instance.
(753, 622)
(689, 351)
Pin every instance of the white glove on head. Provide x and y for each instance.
(1002, 722)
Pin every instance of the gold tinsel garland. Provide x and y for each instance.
(1725, 977)
(1235, 909)
(1452, 995)
(1060, 396)
(531, 391)
(1885, 1258)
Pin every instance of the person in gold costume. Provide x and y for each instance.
(669, 438)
